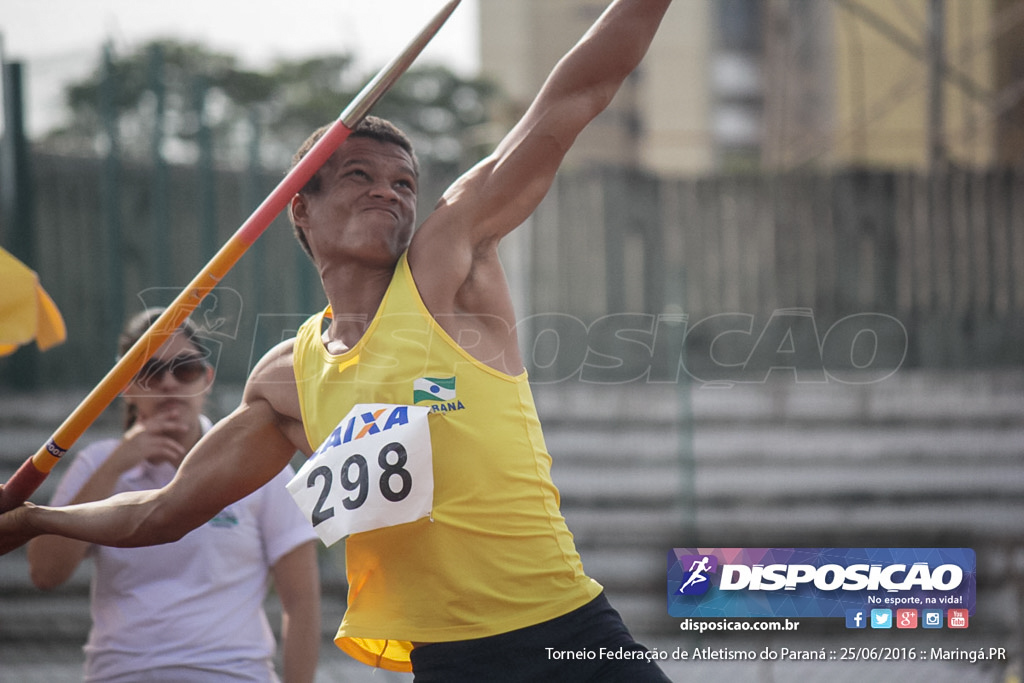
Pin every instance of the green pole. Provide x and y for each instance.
(110, 197)
(251, 193)
(159, 218)
(207, 190)
(18, 216)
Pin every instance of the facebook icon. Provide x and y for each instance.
(856, 618)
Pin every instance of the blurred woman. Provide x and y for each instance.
(191, 610)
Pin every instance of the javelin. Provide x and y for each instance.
(31, 474)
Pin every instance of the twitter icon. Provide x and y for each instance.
(881, 618)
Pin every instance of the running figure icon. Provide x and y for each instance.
(697, 570)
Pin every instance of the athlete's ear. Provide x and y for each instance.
(298, 210)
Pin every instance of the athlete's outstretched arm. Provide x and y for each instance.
(241, 453)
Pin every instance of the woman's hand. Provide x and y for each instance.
(154, 439)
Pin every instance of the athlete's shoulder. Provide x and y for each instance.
(272, 385)
(274, 369)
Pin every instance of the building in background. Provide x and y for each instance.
(783, 84)
(882, 83)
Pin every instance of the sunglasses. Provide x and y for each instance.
(185, 369)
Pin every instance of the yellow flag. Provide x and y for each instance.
(26, 311)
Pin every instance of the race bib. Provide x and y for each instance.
(375, 470)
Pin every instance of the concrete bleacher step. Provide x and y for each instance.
(920, 458)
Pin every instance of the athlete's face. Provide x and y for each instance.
(366, 206)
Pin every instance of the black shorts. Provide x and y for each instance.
(588, 644)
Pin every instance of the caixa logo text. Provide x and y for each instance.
(831, 577)
(379, 418)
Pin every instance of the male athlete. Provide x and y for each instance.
(489, 583)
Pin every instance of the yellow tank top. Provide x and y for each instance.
(495, 554)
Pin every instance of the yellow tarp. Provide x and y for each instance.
(26, 311)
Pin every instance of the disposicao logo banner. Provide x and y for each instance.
(817, 582)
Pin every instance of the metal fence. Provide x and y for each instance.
(111, 239)
(732, 261)
(931, 266)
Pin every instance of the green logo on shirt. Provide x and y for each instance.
(225, 519)
(433, 390)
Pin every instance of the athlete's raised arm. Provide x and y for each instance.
(501, 191)
(454, 254)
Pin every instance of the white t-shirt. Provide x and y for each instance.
(190, 610)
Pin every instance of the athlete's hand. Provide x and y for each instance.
(15, 531)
